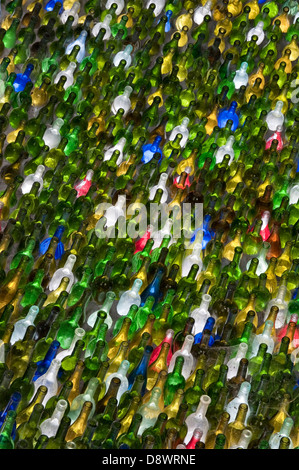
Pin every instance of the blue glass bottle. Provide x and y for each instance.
(12, 404)
(229, 113)
(51, 4)
(295, 293)
(153, 289)
(43, 366)
(208, 234)
(209, 325)
(149, 150)
(22, 78)
(141, 369)
(168, 25)
(59, 249)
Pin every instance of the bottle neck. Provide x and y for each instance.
(241, 414)
(181, 414)
(203, 406)
(62, 430)
(135, 425)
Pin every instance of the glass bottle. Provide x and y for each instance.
(63, 395)
(157, 431)
(130, 437)
(49, 380)
(58, 442)
(111, 392)
(156, 366)
(121, 374)
(141, 369)
(284, 431)
(6, 440)
(184, 352)
(236, 427)
(38, 397)
(174, 381)
(150, 410)
(87, 395)
(213, 434)
(78, 427)
(30, 429)
(198, 419)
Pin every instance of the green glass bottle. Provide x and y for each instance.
(157, 431)
(178, 423)
(52, 402)
(111, 439)
(6, 440)
(130, 438)
(192, 394)
(58, 441)
(67, 328)
(68, 364)
(126, 398)
(174, 381)
(24, 385)
(30, 429)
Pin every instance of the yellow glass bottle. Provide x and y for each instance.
(271, 283)
(129, 14)
(254, 9)
(39, 396)
(158, 92)
(294, 48)
(184, 36)
(141, 274)
(282, 413)
(155, 368)
(166, 67)
(78, 426)
(235, 7)
(189, 163)
(226, 24)
(172, 409)
(159, 384)
(235, 428)
(241, 316)
(148, 328)
(258, 74)
(236, 178)
(186, 19)
(126, 420)
(75, 379)
(272, 317)
(9, 289)
(284, 261)
(16, 306)
(229, 249)
(285, 58)
(267, 181)
(120, 356)
(122, 335)
(11, 137)
(6, 200)
(54, 294)
(39, 96)
(100, 119)
(284, 20)
(221, 429)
